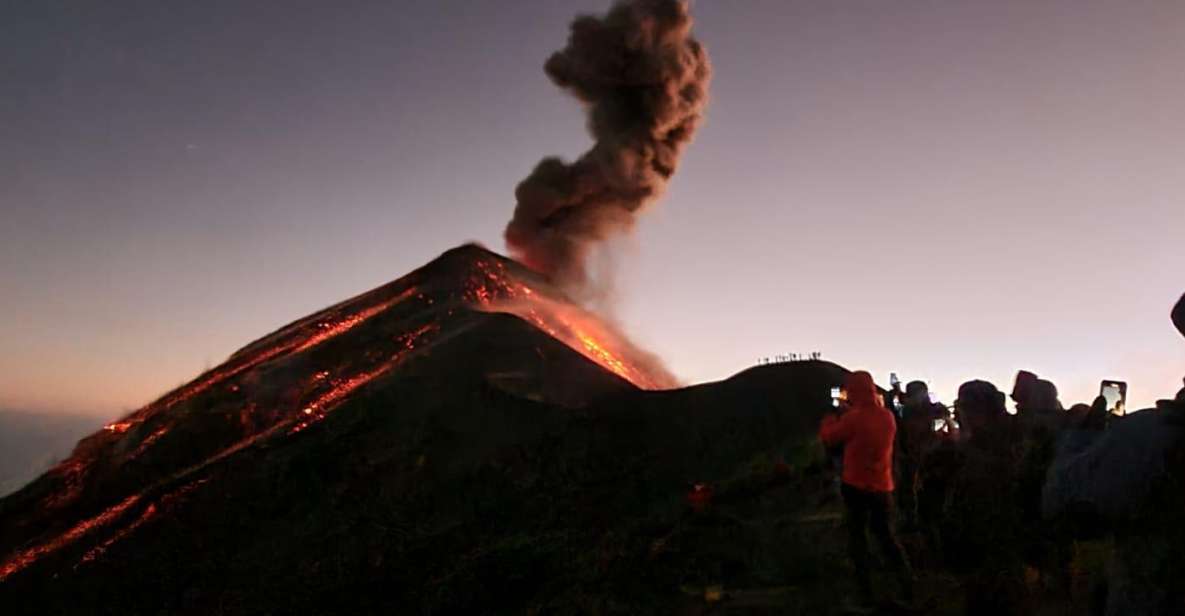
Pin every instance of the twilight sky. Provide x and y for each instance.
(949, 190)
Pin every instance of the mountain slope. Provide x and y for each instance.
(30, 443)
(281, 384)
(452, 459)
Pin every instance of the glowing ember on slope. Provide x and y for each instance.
(149, 512)
(320, 331)
(492, 288)
(148, 442)
(341, 388)
(332, 328)
(209, 380)
(30, 556)
(98, 550)
(327, 401)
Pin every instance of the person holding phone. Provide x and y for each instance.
(866, 431)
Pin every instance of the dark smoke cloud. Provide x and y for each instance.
(644, 80)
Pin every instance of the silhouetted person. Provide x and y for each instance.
(1076, 414)
(970, 488)
(1037, 402)
(1096, 418)
(866, 432)
(1084, 425)
(1042, 419)
(1131, 481)
(1024, 390)
(915, 437)
(1091, 417)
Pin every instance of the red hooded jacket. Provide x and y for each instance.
(866, 431)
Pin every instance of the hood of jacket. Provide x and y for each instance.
(862, 391)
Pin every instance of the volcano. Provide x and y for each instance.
(461, 439)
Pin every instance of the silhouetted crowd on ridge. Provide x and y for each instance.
(1012, 504)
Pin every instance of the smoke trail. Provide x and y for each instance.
(644, 80)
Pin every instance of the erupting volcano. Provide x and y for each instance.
(284, 383)
(416, 419)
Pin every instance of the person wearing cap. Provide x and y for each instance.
(1042, 423)
(915, 436)
(866, 431)
(974, 482)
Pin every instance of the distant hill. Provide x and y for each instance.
(31, 443)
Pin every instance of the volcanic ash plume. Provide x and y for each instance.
(645, 82)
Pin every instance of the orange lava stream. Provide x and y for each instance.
(326, 329)
(147, 442)
(328, 401)
(149, 512)
(491, 288)
(98, 550)
(32, 555)
(331, 329)
(313, 412)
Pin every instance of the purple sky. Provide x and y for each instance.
(948, 190)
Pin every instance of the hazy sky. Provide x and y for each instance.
(949, 190)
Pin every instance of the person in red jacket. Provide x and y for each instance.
(866, 431)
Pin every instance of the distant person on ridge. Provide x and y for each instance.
(867, 431)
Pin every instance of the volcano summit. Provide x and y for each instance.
(461, 437)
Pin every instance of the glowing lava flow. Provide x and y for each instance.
(491, 288)
(491, 285)
(322, 330)
(148, 442)
(32, 555)
(338, 392)
(149, 512)
(331, 329)
(340, 389)
(294, 339)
